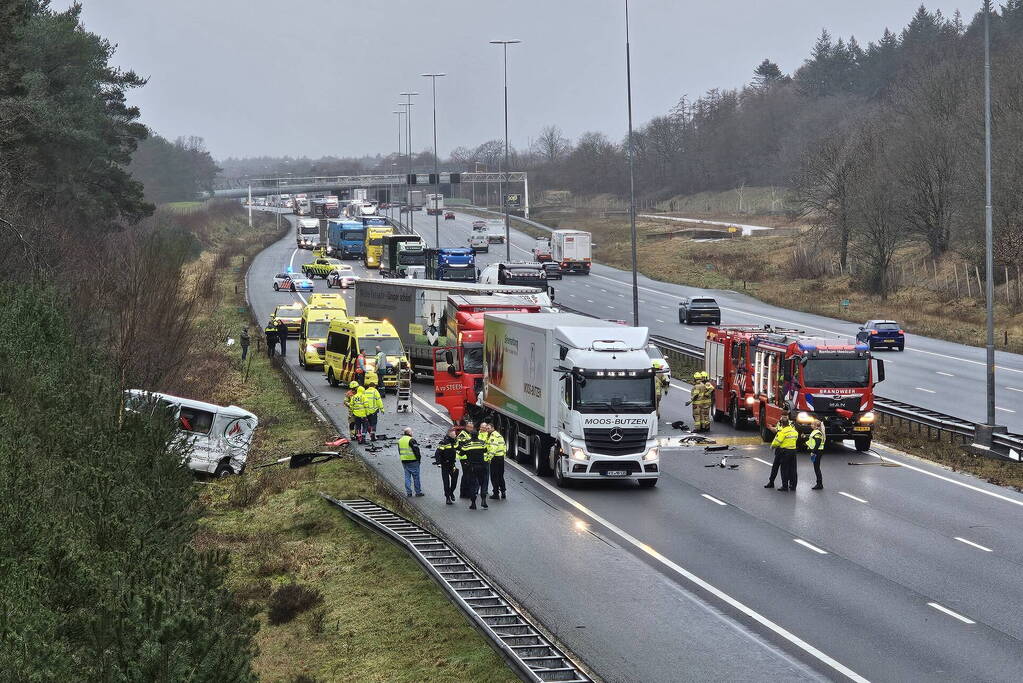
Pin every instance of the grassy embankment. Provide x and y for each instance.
(363, 609)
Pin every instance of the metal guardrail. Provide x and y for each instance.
(923, 418)
(533, 656)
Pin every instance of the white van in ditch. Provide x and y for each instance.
(219, 436)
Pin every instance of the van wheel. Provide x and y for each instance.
(765, 433)
(331, 380)
(223, 470)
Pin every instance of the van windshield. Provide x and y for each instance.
(391, 346)
(317, 330)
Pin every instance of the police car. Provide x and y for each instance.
(290, 282)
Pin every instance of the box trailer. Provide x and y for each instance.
(572, 250)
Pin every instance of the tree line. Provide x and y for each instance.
(99, 578)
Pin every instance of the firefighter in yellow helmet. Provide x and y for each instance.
(662, 380)
(700, 398)
(374, 404)
(358, 408)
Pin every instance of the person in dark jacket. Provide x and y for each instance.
(244, 340)
(815, 444)
(446, 457)
(270, 332)
(476, 465)
(282, 336)
(466, 432)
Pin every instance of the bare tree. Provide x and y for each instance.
(551, 146)
(823, 185)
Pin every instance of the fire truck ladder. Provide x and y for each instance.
(527, 650)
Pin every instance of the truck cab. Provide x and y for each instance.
(454, 264)
(375, 244)
(402, 253)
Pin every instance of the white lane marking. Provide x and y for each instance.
(589, 301)
(604, 290)
(811, 546)
(713, 499)
(683, 388)
(921, 470)
(763, 461)
(1014, 389)
(810, 327)
(571, 294)
(849, 495)
(658, 320)
(1004, 410)
(950, 613)
(975, 545)
(609, 306)
(686, 574)
(929, 391)
(946, 374)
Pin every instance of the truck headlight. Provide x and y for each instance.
(578, 454)
(867, 417)
(804, 418)
(750, 400)
(652, 454)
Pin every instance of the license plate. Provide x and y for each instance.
(616, 473)
(861, 429)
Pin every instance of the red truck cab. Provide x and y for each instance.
(458, 370)
(761, 374)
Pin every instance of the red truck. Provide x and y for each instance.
(458, 370)
(762, 373)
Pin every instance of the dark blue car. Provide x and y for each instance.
(882, 334)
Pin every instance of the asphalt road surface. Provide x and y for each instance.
(891, 573)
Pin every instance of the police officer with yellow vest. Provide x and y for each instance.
(358, 407)
(446, 456)
(476, 460)
(784, 446)
(466, 432)
(497, 449)
(408, 453)
(815, 444)
(374, 405)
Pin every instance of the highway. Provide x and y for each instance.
(891, 573)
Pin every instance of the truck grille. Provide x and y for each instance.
(829, 406)
(615, 441)
(630, 466)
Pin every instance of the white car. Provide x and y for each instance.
(292, 282)
(342, 277)
(479, 242)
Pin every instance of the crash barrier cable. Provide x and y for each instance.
(530, 653)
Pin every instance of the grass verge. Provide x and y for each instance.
(333, 601)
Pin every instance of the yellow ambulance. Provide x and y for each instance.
(348, 336)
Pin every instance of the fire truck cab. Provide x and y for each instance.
(761, 374)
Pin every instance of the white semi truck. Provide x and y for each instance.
(572, 250)
(572, 395)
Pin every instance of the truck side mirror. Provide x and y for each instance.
(449, 358)
(550, 292)
(880, 370)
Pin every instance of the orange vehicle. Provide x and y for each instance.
(762, 373)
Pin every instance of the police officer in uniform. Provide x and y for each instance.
(466, 433)
(270, 333)
(497, 449)
(408, 453)
(476, 459)
(815, 444)
(785, 455)
(446, 457)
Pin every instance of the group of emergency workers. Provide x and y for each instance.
(364, 405)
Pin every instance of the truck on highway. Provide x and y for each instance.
(515, 273)
(542, 249)
(572, 250)
(572, 395)
(762, 373)
(457, 264)
(346, 239)
(417, 309)
(434, 204)
(416, 199)
(307, 233)
(403, 256)
(375, 244)
(302, 205)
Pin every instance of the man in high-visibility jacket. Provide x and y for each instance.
(662, 380)
(348, 406)
(496, 449)
(476, 459)
(815, 444)
(408, 453)
(466, 434)
(446, 456)
(374, 406)
(784, 446)
(358, 407)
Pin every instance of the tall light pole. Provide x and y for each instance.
(507, 225)
(632, 179)
(989, 264)
(436, 162)
(398, 158)
(408, 141)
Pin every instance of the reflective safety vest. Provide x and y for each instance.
(815, 441)
(372, 401)
(496, 447)
(463, 437)
(474, 452)
(447, 450)
(786, 438)
(358, 403)
(405, 451)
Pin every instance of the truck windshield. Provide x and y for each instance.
(412, 258)
(391, 346)
(472, 359)
(310, 230)
(836, 372)
(376, 241)
(317, 330)
(353, 235)
(614, 395)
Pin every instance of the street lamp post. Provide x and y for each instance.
(507, 225)
(436, 162)
(398, 158)
(988, 231)
(632, 180)
(408, 142)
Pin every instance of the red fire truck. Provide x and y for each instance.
(458, 370)
(762, 373)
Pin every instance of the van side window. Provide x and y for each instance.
(195, 420)
(337, 342)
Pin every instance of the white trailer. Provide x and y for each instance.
(572, 249)
(434, 204)
(572, 395)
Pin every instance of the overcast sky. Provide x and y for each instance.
(319, 77)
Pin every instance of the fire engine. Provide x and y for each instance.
(763, 373)
(458, 370)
